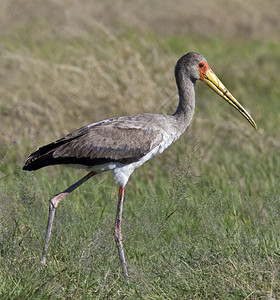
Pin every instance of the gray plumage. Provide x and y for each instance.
(124, 140)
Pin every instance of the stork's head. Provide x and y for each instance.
(197, 68)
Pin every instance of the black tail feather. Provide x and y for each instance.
(35, 162)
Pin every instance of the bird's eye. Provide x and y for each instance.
(201, 65)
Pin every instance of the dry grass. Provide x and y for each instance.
(64, 64)
(249, 19)
(75, 85)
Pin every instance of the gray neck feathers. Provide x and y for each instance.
(186, 106)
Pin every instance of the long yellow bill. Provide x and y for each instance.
(209, 77)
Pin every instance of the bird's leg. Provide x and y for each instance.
(117, 232)
(53, 205)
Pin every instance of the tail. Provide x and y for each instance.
(43, 156)
(40, 158)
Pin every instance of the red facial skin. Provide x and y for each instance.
(203, 68)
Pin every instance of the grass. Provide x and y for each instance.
(201, 221)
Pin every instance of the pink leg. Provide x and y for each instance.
(53, 205)
(117, 232)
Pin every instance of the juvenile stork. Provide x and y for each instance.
(125, 143)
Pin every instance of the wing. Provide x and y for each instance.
(123, 140)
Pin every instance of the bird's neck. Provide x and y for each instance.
(186, 106)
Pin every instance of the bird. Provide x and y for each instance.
(123, 144)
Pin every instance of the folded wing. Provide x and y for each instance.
(124, 140)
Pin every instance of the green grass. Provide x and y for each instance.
(186, 239)
(200, 221)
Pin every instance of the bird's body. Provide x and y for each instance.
(125, 143)
(119, 144)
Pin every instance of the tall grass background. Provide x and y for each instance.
(201, 221)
